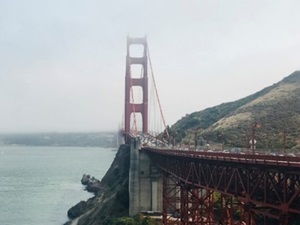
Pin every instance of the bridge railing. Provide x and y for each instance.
(230, 157)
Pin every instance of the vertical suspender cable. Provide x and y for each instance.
(156, 92)
(153, 106)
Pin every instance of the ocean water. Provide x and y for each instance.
(39, 184)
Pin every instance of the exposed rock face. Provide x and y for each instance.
(112, 200)
(85, 179)
(92, 184)
(77, 210)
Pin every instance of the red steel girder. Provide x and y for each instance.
(185, 204)
(267, 194)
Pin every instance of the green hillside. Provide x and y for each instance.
(276, 108)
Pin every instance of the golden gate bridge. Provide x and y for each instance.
(208, 188)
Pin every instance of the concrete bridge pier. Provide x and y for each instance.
(145, 182)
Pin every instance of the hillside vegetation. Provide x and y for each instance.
(275, 108)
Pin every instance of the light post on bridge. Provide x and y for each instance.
(253, 141)
(196, 131)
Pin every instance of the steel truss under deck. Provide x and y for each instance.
(202, 191)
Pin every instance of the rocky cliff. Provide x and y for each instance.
(112, 200)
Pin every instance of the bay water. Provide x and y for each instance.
(39, 184)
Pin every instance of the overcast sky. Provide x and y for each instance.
(62, 62)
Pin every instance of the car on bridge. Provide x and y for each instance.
(235, 150)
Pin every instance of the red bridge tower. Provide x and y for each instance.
(130, 106)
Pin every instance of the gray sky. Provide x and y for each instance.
(62, 62)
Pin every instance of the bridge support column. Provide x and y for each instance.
(134, 181)
(145, 189)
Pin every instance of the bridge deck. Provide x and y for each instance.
(285, 161)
